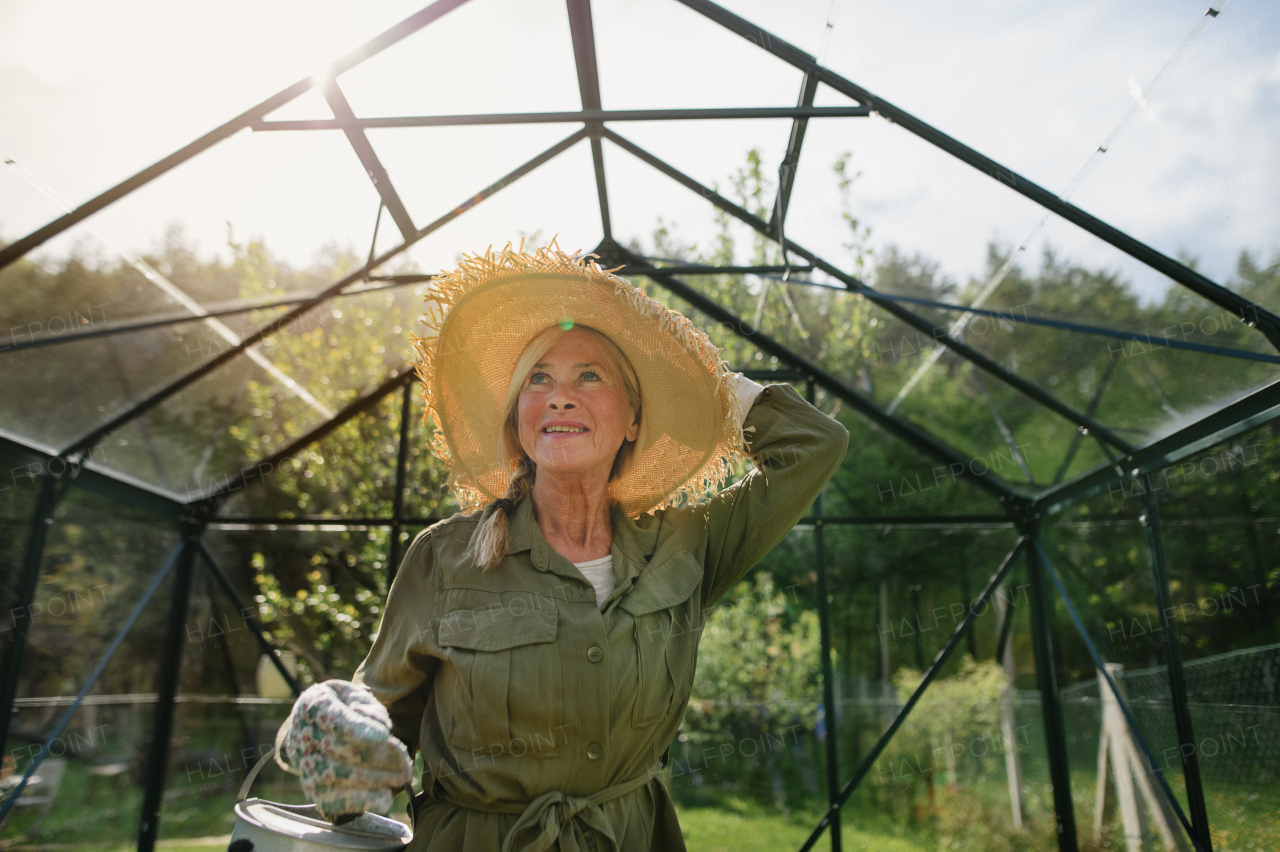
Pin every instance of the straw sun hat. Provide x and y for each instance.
(479, 319)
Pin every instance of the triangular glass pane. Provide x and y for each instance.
(215, 430)
(557, 199)
(349, 473)
(700, 64)
(159, 238)
(722, 151)
(439, 169)
(82, 384)
(882, 474)
(1149, 389)
(479, 58)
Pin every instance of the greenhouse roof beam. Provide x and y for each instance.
(791, 157)
(1259, 407)
(1266, 322)
(702, 269)
(905, 430)
(1027, 319)
(857, 286)
(369, 159)
(111, 331)
(585, 116)
(90, 439)
(373, 46)
(1009, 316)
(584, 56)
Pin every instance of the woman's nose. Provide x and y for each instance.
(559, 399)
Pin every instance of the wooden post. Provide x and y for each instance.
(1118, 759)
(1008, 722)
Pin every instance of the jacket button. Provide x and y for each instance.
(594, 654)
(594, 751)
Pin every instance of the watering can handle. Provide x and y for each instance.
(253, 773)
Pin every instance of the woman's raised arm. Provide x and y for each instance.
(796, 449)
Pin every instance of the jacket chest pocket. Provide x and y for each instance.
(503, 689)
(666, 632)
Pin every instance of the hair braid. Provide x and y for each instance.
(491, 543)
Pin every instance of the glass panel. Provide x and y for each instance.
(422, 164)
(1150, 390)
(879, 353)
(321, 593)
(680, 45)
(99, 559)
(231, 700)
(527, 67)
(887, 476)
(1218, 510)
(897, 597)
(749, 754)
(1099, 551)
(177, 221)
(558, 199)
(215, 430)
(98, 379)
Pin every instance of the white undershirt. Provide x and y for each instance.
(600, 573)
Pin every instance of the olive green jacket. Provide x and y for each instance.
(541, 717)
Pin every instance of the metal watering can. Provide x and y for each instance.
(263, 826)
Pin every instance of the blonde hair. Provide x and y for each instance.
(492, 538)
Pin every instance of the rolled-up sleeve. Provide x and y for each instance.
(796, 449)
(402, 663)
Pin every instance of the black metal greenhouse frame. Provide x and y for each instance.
(1024, 510)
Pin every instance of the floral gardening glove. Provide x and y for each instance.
(338, 740)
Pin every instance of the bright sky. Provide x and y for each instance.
(93, 92)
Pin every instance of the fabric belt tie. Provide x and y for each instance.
(554, 816)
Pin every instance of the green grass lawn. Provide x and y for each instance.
(1245, 819)
(739, 826)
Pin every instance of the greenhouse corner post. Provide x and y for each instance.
(828, 675)
(170, 672)
(1055, 733)
(1197, 812)
(41, 521)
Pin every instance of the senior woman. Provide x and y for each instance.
(539, 652)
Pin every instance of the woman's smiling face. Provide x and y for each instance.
(574, 412)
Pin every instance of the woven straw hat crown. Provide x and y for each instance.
(480, 318)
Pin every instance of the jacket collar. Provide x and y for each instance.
(633, 545)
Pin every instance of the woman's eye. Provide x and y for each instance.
(590, 377)
(538, 379)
